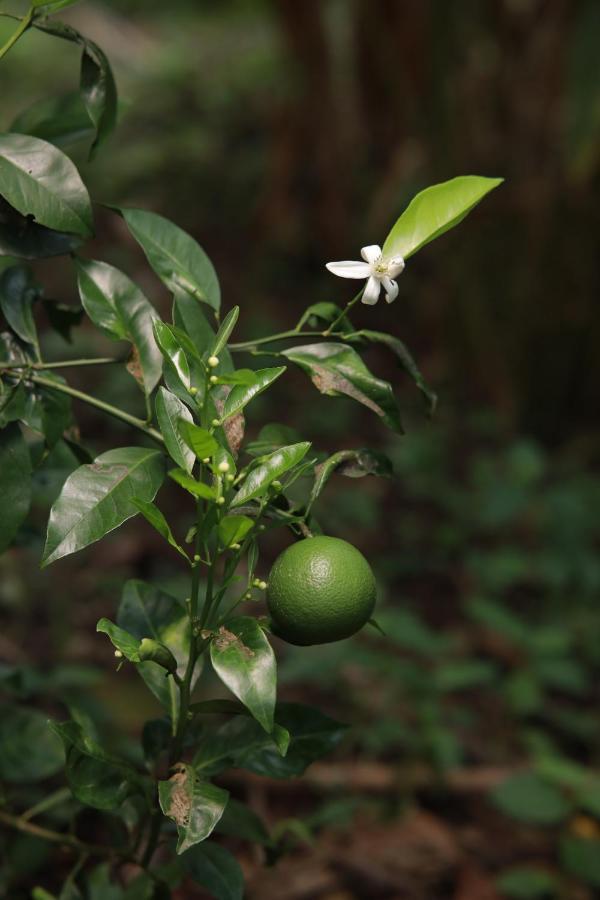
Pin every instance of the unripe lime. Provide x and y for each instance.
(321, 589)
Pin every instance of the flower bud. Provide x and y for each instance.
(206, 460)
(262, 585)
(220, 501)
(193, 391)
(118, 654)
(212, 362)
(276, 485)
(154, 651)
(215, 423)
(223, 466)
(230, 478)
(236, 546)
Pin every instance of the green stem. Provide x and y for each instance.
(24, 25)
(100, 404)
(343, 313)
(48, 802)
(281, 336)
(62, 364)
(56, 837)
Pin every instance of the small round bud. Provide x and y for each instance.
(220, 501)
(230, 477)
(193, 391)
(262, 585)
(196, 557)
(236, 546)
(223, 466)
(248, 595)
(255, 582)
(212, 362)
(277, 485)
(215, 423)
(206, 460)
(262, 527)
(213, 379)
(118, 654)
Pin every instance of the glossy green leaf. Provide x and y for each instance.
(238, 376)
(146, 611)
(155, 517)
(241, 395)
(188, 315)
(39, 181)
(173, 354)
(191, 484)
(242, 743)
(169, 411)
(244, 660)
(95, 777)
(176, 258)
(23, 238)
(268, 470)
(405, 359)
(118, 307)
(434, 211)
(529, 798)
(198, 439)
(324, 312)
(336, 369)
(61, 120)
(124, 642)
(18, 292)
(216, 870)
(96, 83)
(353, 464)
(15, 482)
(193, 804)
(29, 749)
(233, 529)
(96, 498)
(99, 92)
(224, 332)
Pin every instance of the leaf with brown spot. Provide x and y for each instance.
(336, 369)
(193, 804)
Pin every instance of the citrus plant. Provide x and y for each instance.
(168, 799)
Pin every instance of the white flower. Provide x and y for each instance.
(379, 271)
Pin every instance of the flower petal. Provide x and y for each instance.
(395, 266)
(371, 291)
(391, 289)
(371, 253)
(349, 268)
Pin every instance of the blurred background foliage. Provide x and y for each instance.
(283, 135)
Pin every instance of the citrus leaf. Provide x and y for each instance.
(176, 258)
(154, 516)
(23, 238)
(224, 332)
(15, 482)
(124, 642)
(242, 394)
(268, 470)
(434, 211)
(188, 316)
(191, 484)
(173, 352)
(353, 464)
(121, 311)
(244, 660)
(169, 411)
(336, 369)
(97, 497)
(39, 181)
(405, 359)
(216, 870)
(198, 439)
(29, 750)
(61, 120)
(193, 804)
(18, 292)
(95, 777)
(146, 611)
(233, 529)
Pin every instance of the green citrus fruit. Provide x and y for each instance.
(321, 589)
